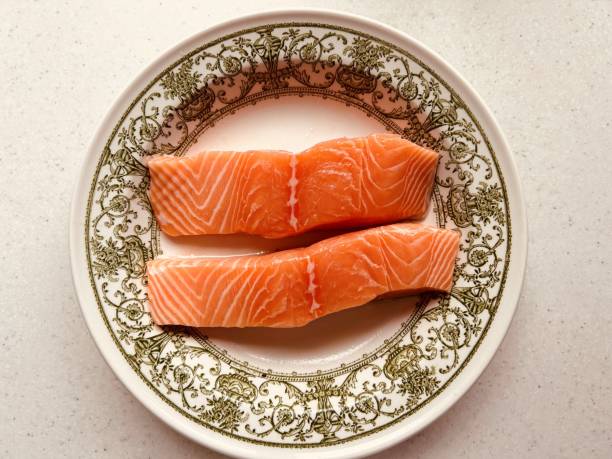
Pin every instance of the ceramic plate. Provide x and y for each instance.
(348, 384)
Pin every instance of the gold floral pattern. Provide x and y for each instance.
(360, 398)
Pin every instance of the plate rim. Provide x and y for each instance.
(394, 434)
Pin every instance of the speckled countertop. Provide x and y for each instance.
(544, 71)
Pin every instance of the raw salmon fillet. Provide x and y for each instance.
(293, 287)
(339, 183)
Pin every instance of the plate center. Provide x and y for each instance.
(293, 123)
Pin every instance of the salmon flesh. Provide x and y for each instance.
(344, 182)
(293, 287)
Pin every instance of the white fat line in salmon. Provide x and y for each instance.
(293, 181)
(312, 286)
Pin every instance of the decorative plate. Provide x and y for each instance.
(346, 385)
